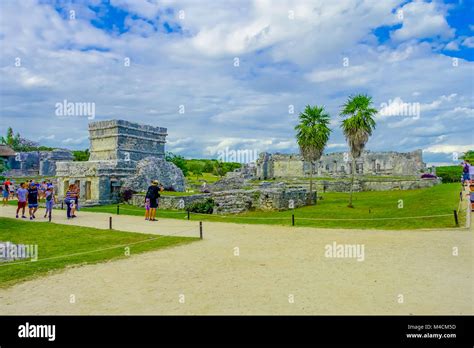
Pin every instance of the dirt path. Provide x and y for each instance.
(279, 270)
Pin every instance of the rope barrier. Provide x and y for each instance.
(97, 250)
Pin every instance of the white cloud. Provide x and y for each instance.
(283, 62)
(423, 20)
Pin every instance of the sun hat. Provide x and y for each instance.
(155, 182)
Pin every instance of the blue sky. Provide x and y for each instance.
(182, 57)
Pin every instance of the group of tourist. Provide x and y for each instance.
(31, 192)
(71, 199)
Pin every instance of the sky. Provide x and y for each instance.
(235, 74)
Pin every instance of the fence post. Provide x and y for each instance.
(188, 215)
(200, 229)
(118, 209)
(292, 219)
(315, 197)
(110, 222)
(62, 205)
(456, 217)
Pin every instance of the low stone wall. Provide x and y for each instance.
(367, 185)
(237, 201)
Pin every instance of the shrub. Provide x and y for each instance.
(202, 207)
(428, 176)
(126, 194)
(449, 173)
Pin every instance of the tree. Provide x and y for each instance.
(312, 135)
(178, 161)
(196, 167)
(81, 155)
(357, 128)
(468, 156)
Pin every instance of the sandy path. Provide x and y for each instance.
(274, 264)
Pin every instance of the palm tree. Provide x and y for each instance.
(357, 127)
(312, 135)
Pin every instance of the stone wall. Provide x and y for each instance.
(34, 163)
(367, 185)
(127, 141)
(340, 164)
(237, 201)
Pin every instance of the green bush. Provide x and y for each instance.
(81, 156)
(178, 161)
(202, 207)
(449, 173)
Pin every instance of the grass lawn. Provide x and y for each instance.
(61, 246)
(438, 200)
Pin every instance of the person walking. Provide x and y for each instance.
(32, 200)
(471, 171)
(465, 172)
(22, 194)
(50, 201)
(6, 191)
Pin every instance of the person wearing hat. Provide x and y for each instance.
(153, 194)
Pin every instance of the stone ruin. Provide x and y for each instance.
(36, 163)
(339, 164)
(122, 154)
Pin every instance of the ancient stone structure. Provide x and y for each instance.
(34, 163)
(116, 148)
(339, 164)
(150, 168)
(238, 201)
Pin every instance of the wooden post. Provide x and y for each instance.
(62, 205)
(118, 209)
(110, 222)
(456, 217)
(292, 219)
(315, 197)
(188, 215)
(200, 229)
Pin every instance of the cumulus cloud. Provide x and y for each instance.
(423, 20)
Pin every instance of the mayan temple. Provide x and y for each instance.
(116, 146)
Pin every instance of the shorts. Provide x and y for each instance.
(49, 205)
(21, 205)
(154, 203)
(5, 194)
(465, 176)
(32, 205)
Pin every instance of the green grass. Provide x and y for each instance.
(437, 200)
(208, 177)
(60, 241)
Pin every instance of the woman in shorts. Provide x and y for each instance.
(50, 201)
